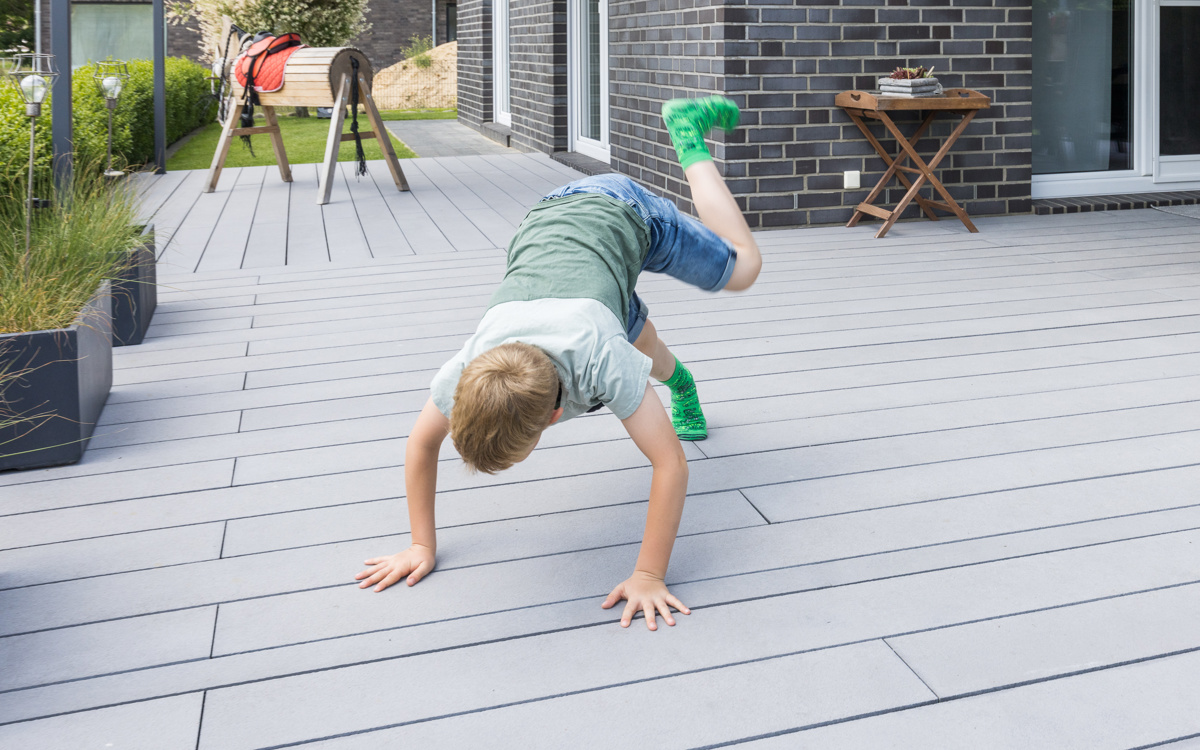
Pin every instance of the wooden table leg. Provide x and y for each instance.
(927, 169)
(893, 169)
(872, 196)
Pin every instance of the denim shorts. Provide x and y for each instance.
(680, 246)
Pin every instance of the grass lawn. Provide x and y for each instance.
(303, 137)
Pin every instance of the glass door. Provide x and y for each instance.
(587, 77)
(1178, 135)
(1082, 98)
(501, 105)
(1116, 96)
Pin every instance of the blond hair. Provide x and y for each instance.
(503, 401)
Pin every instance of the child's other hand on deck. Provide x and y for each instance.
(415, 562)
(649, 594)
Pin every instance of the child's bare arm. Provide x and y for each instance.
(651, 430)
(420, 480)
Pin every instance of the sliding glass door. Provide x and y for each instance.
(1082, 108)
(1116, 96)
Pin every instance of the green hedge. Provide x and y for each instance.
(188, 107)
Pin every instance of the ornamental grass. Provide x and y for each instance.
(77, 243)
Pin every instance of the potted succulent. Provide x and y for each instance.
(56, 315)
(910, 82)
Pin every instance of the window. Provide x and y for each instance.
(122, 31)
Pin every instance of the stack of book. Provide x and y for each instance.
(910, 87)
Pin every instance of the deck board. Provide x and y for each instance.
(949, 492)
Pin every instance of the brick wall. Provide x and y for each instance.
(538, 61)
(657, 52)
(183, 40)
(538, 70)
(393, 24)
(784, 64)
(475, 62)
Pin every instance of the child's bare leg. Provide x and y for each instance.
(720, 213)
(686, 415)
(651, 345)
(687, 121)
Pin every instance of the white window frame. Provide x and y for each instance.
(1150, 173)
(501, 68)
(576, 90)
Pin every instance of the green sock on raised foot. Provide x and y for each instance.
(687, 120)
(686, 415)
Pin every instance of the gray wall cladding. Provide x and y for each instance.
(783, 63)
(475, 62)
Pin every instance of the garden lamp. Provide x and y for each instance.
(33, 74)
(111, 76)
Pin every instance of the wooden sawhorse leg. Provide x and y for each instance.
(229, 131)
(218, 162)
(337, 137)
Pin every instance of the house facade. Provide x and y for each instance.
(1089, 97)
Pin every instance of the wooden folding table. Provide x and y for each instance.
(859, 104)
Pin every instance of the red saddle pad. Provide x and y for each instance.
(264, 61)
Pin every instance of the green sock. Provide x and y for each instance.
(687, 121)
(686, 415)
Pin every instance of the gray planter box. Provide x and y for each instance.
(135, 294)
(69, 374)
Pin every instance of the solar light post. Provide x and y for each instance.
(33, 74)
(111, 76)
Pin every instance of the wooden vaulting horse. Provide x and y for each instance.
(280, 71)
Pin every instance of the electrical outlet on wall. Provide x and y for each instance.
(851, 179)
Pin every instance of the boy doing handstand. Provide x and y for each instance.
(565, 333)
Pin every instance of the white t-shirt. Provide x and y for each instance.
(595, 361)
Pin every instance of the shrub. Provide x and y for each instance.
(189, 106)
(14, 138)
(417, 45)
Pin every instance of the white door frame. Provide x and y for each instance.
(501, 69)
(1146, 175)
(576, 90)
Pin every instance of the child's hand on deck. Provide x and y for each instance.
(648, 593)
(415, 562)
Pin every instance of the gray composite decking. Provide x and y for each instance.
(950, 498)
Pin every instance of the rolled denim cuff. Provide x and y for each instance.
(729, 264)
